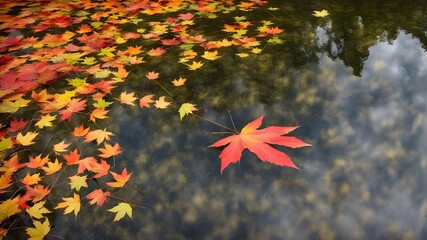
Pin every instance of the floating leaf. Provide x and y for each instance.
(39, 231)
(71, 204)
(257, 141)
(186, 108)
(121, 210)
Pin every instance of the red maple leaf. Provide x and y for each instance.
(257, 141)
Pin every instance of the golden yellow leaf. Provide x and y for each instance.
(70, 204)
(98, 135)
(31, 179)
(179, 82)
(27, 139)
(77, 182)
(37, 210)
(195, 65)
(39, 231)
(45, 121)
(52, 167)
(9, 208)
(210, 55)
(322, 13)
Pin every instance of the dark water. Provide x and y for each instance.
(356, 83)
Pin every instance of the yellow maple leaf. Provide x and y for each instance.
(31, 179)
(45, 121)
(161, 103)
(210, 55)
(242, 55)
(61, 147)
(12, 105)
(179, 82)
(5, 143)
(186, 108)
(127, 98)
(37, 210)
(121, 210)
(322, 13)
(77, 182)
(39, 231)
(71, 204)
(27, 139)
(52, 167)
(9, 208)
(195, 65)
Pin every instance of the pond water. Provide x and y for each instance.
(354, 81)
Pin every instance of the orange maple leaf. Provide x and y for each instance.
(121, 179)
(80, 131)
(152, 75)
(109, 150)
(146, 100)
(74, 106)
(98, 113)
(101, 169)
(98, 196)
(257, 141)
(73, 158)
(31, 179)
(98, 135)
(37, 161)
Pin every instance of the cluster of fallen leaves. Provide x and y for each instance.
(83, 45)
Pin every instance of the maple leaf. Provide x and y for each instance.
(152, 75)
(37, 210)
(74, 106)
(146, 100)
(322, 13)
(80, 131)
(98, 113)
(195, 65)
(179, 82)
(27, 139)
(98, 196)
(109, 150)
(88, 163)
(9, 208)
(210, 55)
(16, 125)
(52, 167)
(157, 52)
(76, 182)
(5, 180)
(45, 121)
(127, 98)
(101, 169)
(121, 210)
(121, 179)
(161, 103)
(186, 108)
(70, 204)
(60, 147)
(98, 135)
(257, 141)
(31, 179)
(37, 161)
(72, 158)
(39, 231)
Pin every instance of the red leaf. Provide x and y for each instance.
(257, 141)
(17, 125)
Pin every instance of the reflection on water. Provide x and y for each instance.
(363, 178)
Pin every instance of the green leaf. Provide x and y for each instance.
(186, 108)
